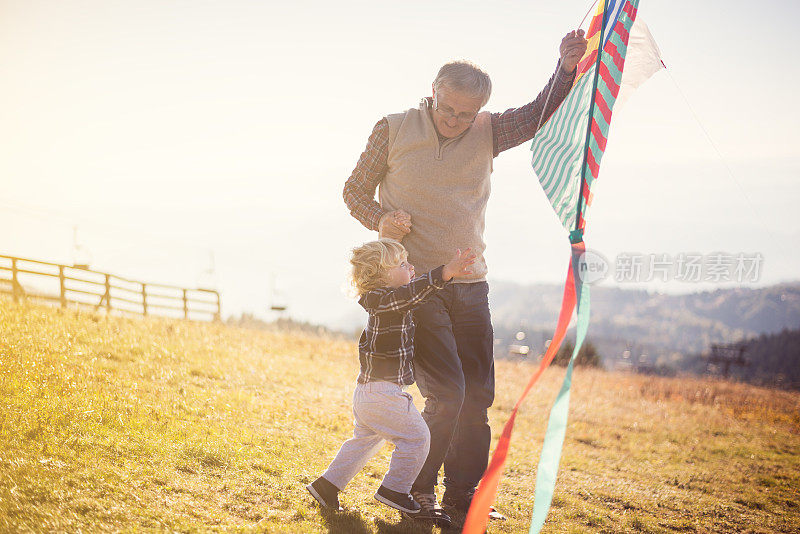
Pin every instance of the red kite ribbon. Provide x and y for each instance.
(478, 515)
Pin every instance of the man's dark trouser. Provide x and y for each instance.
(454, 369)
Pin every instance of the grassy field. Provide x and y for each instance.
(112, 423)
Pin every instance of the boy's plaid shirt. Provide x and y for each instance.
(509, 129)
(386, 347)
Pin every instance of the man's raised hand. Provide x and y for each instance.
(572, 49)
(394, 224)
(457, 267)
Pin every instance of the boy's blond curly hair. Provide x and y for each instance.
(371, 261)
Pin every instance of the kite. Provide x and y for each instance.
(567, 151)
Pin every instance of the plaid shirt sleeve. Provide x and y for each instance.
(404, 298)
(517, 125)
(359, 190)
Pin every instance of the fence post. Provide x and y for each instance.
(108, 293)
(14, 281)
(62, 286)
(18, 291)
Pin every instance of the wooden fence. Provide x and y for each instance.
(26, 278)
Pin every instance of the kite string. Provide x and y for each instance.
(775, 240)
(712, 143)
(587, 13)
(552, 85)
(546, 101)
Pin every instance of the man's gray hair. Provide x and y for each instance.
(465, 77)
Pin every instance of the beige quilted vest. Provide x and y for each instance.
(443, 185)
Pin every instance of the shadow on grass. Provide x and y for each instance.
(347, 521)
(351, 522)
(405, 526)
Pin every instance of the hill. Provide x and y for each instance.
(112, 423)
(665, 327)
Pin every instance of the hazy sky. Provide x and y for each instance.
(166, 130)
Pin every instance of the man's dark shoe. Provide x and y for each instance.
(399, 501)
(461, 502)
(326, 494)
(430, 510)
(457, 501)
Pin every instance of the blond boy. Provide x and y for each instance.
(388, 290)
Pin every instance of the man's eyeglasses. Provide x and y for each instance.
(448, 113)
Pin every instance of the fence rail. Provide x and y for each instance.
(77, 286)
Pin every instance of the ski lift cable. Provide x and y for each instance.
(100, 228)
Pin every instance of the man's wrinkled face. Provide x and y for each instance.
(453, 112)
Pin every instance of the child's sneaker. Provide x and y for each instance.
(325, 493)
(399, 501)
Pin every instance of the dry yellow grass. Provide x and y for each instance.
(112, 423)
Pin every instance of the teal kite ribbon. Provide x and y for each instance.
(557, 424)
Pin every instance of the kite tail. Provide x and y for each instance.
(478, 515)
(557, 424)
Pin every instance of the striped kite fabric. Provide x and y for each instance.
(558, 148)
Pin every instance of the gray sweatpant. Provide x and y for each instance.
(383, 412)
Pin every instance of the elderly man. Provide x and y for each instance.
(433, 164)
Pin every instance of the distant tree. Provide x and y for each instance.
(774, 360)
(588, 355)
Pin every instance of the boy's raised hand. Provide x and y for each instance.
(457, 267)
